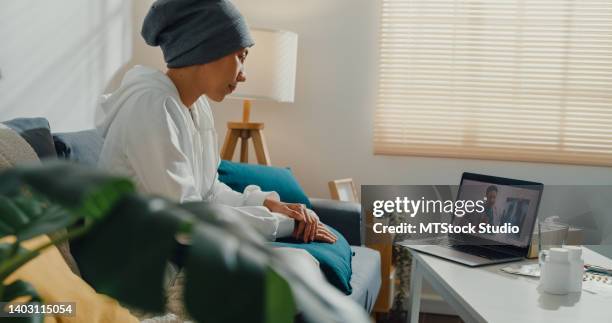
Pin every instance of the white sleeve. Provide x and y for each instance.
(270, 225)
(153, 147)
(251, 201)
(260, 218)
(252, 195)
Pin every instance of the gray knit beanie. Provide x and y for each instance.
(192, 32)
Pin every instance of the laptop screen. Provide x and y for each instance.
(506, 204)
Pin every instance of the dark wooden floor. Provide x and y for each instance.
(423, 318)
(436, 318)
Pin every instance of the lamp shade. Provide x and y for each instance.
(270, 67)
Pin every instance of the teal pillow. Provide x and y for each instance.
(268, 178)
(334, 259)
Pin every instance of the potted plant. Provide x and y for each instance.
(231, 274)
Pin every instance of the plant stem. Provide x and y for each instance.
(14, 248)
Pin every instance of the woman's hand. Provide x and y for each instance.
(323, 234)
(306, 222)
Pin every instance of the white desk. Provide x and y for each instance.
(486, 294)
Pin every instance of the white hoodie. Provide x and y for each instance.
(172, 151)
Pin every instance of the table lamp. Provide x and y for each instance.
(270, 72)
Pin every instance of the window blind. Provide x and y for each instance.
(526, 80)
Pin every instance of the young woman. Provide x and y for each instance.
(159, 127)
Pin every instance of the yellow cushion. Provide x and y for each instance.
(55, 282)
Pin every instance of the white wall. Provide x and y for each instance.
(58, 56)
(141, 54)
(327, 133)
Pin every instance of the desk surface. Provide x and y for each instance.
(491, 295)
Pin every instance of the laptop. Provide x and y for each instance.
(511, 201)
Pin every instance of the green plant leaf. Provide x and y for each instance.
(5, 229)
(17, 289)
(30, 319)
(125, 256)
(52, 219)
(232, 274)
(7, 250)
(89, 192)
(280, 306)
(26, 219)
(11, 216)
(30, 204)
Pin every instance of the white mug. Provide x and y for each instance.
(576, 268)
(554, 271)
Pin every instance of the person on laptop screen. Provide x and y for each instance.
(491, 216)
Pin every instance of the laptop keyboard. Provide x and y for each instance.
(480, 252)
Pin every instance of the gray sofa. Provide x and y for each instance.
(84, 147)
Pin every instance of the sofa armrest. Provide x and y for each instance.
(342, 216)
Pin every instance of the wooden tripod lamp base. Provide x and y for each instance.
(244, 131)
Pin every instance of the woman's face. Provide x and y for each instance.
(221, 77)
